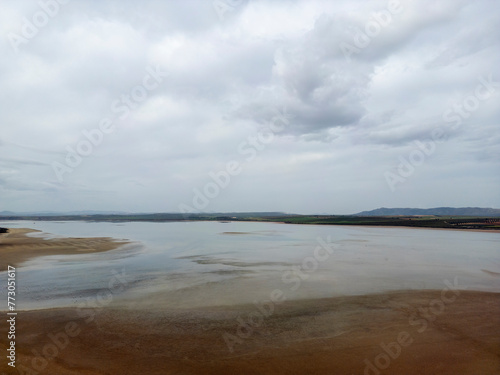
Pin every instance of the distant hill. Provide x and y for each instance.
(120, 216)
(40, 213)
(439, 211)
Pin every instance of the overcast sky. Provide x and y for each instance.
(296, 106)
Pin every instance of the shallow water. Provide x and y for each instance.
(187, 264)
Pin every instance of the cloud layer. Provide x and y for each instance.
(179, 89)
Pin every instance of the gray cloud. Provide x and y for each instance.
(350, 119)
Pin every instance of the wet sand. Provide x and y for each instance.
(405, 332)
(16, 247)
(342, 335)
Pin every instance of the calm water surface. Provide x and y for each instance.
(191, 264)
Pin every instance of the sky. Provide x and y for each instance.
(305, 106)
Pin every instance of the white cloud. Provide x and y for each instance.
(351, 119)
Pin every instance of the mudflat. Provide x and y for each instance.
(407, 332)
(447, 331)
(16, 247)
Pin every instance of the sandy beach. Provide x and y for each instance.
(447, 331)
(16, 247)
(393, 333)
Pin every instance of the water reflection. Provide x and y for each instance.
(202, 263)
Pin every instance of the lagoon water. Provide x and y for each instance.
(193, 264)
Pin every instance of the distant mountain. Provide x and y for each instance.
(10, 213)
(7, 213)
(75, 215)
(439, 211)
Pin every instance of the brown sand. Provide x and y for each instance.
(325, 336)
(16, 247)
(459, 334)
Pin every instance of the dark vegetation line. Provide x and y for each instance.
(429, 221)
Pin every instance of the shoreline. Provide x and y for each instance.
(340, 335)
(16, 247)
(410, 332)
(363, 226)
(283, 222)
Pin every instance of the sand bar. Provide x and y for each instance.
(16, 247)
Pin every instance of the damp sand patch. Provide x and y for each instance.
(16, 246)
